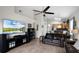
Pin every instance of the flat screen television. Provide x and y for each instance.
(12, 26)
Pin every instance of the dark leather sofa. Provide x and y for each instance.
(53, 39)
(70, 48)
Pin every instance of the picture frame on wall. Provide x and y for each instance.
(37, 27)
(29, 25)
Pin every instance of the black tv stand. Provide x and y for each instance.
(7, 44)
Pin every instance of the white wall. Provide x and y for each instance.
(8, 12)
(41, 21)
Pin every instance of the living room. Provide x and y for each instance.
(54, 30)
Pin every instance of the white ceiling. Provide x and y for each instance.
(27, 10)
(60, 11)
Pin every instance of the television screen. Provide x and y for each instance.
(12, 26)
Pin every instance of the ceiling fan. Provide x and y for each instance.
(44, 11)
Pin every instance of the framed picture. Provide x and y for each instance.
(29, 25)
(37, 27)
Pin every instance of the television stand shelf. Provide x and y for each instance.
(7, 44)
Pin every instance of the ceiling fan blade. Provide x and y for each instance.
(36, 10)
(48, 13)
(46, 8)
(37, 13)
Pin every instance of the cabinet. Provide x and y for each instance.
(3, 43)
(31, 34)
(7, 43)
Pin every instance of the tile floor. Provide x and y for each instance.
(35, 46)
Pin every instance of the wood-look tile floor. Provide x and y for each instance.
(35, 46)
